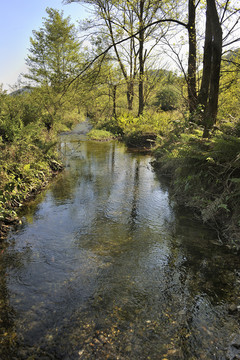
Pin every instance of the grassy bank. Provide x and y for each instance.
(100, 135)
(139, 132)
(205, 176)
(26, 166)
(28, 156)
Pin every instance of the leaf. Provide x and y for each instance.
(223, 206)
(235, 180)
(210, 159)
(26, 167)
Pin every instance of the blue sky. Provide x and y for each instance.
(17, 20)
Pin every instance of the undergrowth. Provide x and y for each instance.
(26, 165)
(205, 175)
(135, 129)
(100, 135)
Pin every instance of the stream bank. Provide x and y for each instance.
(203, 175)
(15, 199)
(104, 266)
(23, 182)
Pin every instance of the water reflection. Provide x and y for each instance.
(11, 261)
(110, 270)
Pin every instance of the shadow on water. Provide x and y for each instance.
(104, 267)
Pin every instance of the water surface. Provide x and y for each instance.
(104, 267)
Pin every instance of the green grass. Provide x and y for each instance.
(205, 176)
(100, 135)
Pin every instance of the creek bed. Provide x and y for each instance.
(104, 267)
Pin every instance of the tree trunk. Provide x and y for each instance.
(130, 95)
(114, 93)
(207, 63)
(128, 78)
(141, 60)
(210, 113)
(192, 91)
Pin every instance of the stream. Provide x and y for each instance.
(105, 266)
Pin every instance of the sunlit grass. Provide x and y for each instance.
(100, 135)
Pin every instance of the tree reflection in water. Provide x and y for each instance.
(106, 268)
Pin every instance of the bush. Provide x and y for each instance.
(167, 98)
(111, 125)
(100, 135)
(142, 130)
(205, 175)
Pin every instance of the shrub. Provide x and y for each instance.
(167, 98)
(205, 175)
(100, 135)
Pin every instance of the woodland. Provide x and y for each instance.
(162, 76)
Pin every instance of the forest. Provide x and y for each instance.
(163, 77)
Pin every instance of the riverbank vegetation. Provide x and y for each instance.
(28, 157)
(100, 135)
(32, 116)
(141, 77)
(204, 176)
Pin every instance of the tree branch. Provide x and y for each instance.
(121, 41)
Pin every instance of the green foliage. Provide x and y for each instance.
(54, 60)
(54, 52)
(205, 176)
(68, 119)
(167, 98)
(27, 152)
(10, 118)
(158, 123)
(24, 169)
(230, 126)
(111, 125)
(229, 99)
(100, 135)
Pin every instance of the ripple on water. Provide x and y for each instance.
(104, 267)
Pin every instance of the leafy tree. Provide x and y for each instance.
(114, 19)
(53, 61)
(10, 118)
(167, 98)
(221, 19)
(229, 92)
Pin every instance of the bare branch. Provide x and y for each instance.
(103, 53)
(231, 42)
(224, 11)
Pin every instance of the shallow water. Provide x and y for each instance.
(104, 267)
